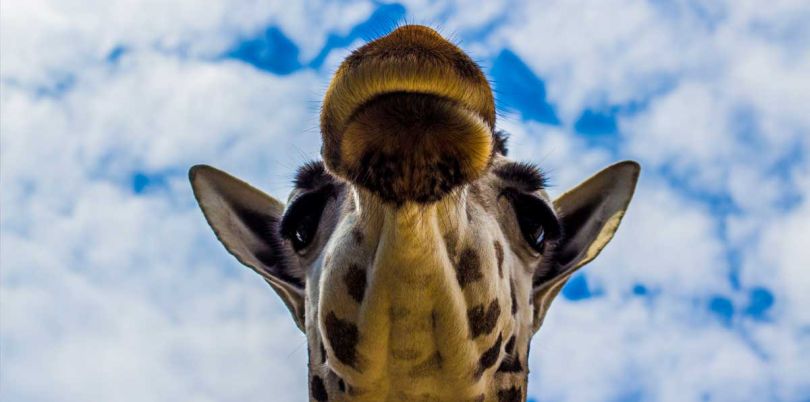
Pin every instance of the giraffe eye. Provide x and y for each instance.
(300, 222)
(538, 223)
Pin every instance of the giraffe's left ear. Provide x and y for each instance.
(590, 213)
(246, 221)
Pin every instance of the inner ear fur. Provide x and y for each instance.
(246, 221)
(590, 214)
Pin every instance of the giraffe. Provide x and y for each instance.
(418, 259)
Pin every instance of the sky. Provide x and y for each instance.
(112, 286)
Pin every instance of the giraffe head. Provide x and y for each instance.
(418, 259)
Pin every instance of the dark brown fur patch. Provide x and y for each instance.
(318, 390)
(323, 354)
(514, 297)
(499, 256)
(510, 364)
(343, 337)
(355, 280)
(358, 236)
(513, 394)
(469, 267)
(510, 345)
(483, 321)
(489, 357)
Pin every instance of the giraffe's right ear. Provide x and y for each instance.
(246, 221)
(590, 214)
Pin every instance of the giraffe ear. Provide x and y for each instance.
(590, 213)
(246, 221)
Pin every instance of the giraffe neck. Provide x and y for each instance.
(421, 315)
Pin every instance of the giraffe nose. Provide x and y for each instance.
(408, 116)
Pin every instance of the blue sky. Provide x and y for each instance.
(112, 287)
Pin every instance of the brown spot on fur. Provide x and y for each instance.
(354, 391)
(469, 267)
(510, 345)
(510, 364)
(343, 337)
(514, 298)
(323, 353)
(318, 390)
(355, 280)
(358, 236)
(489, 357)
(499, 256)
(483, 322)
(513, 394)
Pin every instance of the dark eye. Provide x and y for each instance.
(537, 221)
(300, 222)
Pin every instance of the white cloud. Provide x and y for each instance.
(111, 296)
(613, 349)
(150, 312)
(685, 129)
(47, 40)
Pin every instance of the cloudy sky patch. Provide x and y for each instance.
(112, 287)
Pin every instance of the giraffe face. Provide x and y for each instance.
(417, 257)
(423, 295)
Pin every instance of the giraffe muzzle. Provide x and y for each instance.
(408, 116)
